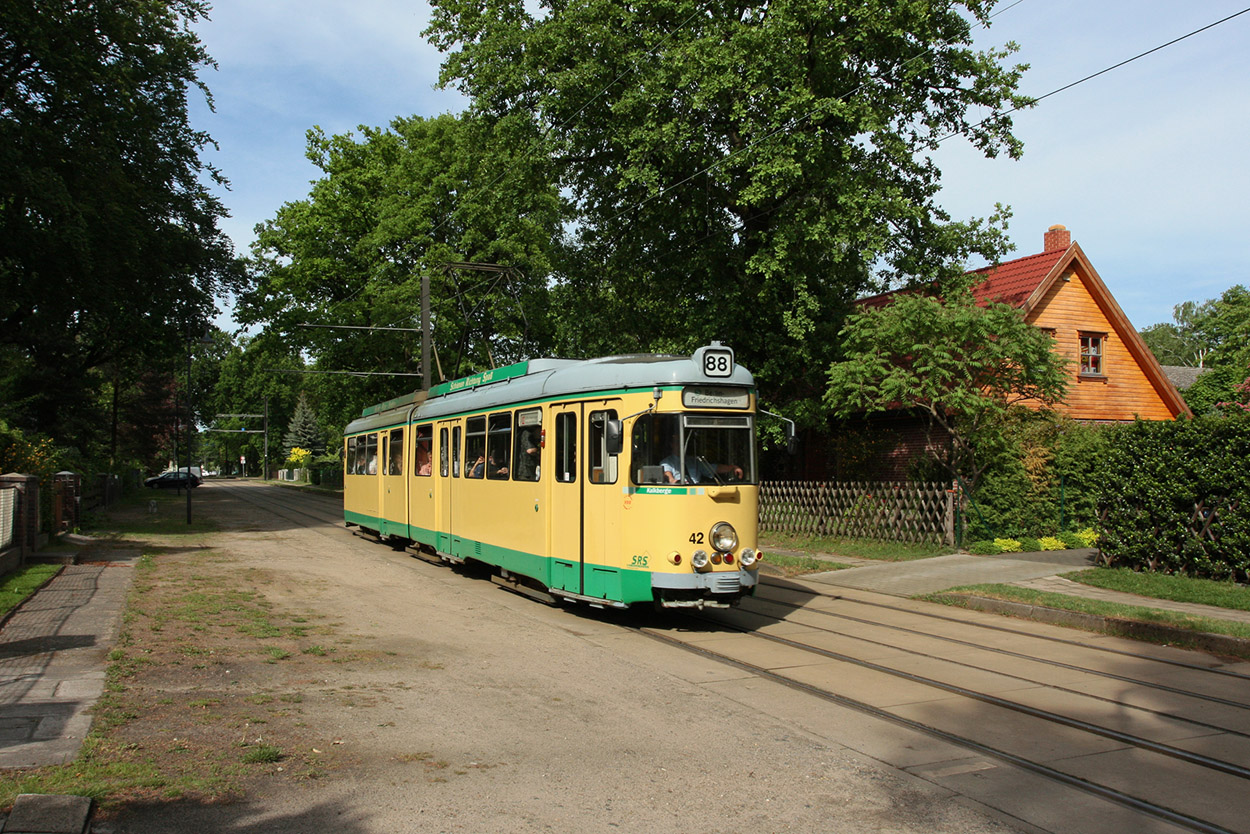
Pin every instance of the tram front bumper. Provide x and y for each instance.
(696, 590)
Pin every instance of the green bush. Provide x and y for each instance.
(985, 547)
(1071, 540)
(1030, 545)
(1052, 543)
(1047, 483)
(1177, 497)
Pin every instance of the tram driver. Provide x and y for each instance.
(697, 469)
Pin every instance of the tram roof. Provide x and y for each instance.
(545, 379)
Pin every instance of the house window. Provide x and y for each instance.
(1092, 345)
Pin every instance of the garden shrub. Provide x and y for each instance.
(1052, 543)
(1177, 497)
(1046, 484)
(984, 547)
(1007, 545)
(1030, 545)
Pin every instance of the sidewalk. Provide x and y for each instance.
(53, 656)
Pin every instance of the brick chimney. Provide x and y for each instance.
(1057, 237)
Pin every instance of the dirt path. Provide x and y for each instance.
(347, 687)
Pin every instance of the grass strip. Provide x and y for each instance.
(1100, 608)
(1167, 586)
(854, 548)
(17, 586)
(798, 565)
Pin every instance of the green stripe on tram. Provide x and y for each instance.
(602, 581)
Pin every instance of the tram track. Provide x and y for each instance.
(1088, 669)
(1121, 798)
(1150, 790)
(292, 508)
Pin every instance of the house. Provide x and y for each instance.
(1113, 375)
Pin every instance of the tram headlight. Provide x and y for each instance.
(747, 557)
(724, 537)
(699, 560)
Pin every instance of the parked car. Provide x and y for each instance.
(171, 480)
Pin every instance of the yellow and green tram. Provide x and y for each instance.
(612, 481)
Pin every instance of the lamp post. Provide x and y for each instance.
(204, 340)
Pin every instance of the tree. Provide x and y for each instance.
(961, 365)
(110, 253)
(1218, 333)
(738, 171)
(303, 430)
(1178, 342)
(386, 212)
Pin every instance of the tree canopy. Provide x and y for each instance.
(110, 255)
(737, 171)
(1214, 335)
(962, 365)
(392, 206)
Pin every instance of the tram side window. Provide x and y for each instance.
(395, 453)
(475, 447)
(442, 452)
(424, 444)
(526, 457)
(349, 462)
(566, 448)
(499, 446)
(370, 456)
(455, 452)
(602, 465)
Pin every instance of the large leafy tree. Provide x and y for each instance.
(109, 247)
(391, 207)
(961, 365)
(1214, 335)
(739, 171)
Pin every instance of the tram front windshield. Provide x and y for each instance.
(693, 449)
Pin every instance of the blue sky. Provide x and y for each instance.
(1147, 165)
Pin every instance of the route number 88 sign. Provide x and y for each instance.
(717, 361)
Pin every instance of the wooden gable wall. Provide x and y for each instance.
(1075, 301)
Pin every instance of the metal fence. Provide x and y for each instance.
(885, 510)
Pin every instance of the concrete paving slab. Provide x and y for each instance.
(1112, 716)
(1049, 806)
(48, 814)
(1005, 730)
(1212, 796)
(860, 684)
(1223, 746)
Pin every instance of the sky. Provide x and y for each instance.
(1146, 165)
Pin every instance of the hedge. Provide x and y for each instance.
(1175, 497)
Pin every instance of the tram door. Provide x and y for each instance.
(447, 477)
(565, 428)
(393, 495)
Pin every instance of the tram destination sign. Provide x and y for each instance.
(484, 378)
(705, 396)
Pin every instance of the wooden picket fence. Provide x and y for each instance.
(884, 510)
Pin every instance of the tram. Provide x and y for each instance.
(612, 482)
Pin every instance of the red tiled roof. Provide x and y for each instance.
(1010, 283)
(1014, 281)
